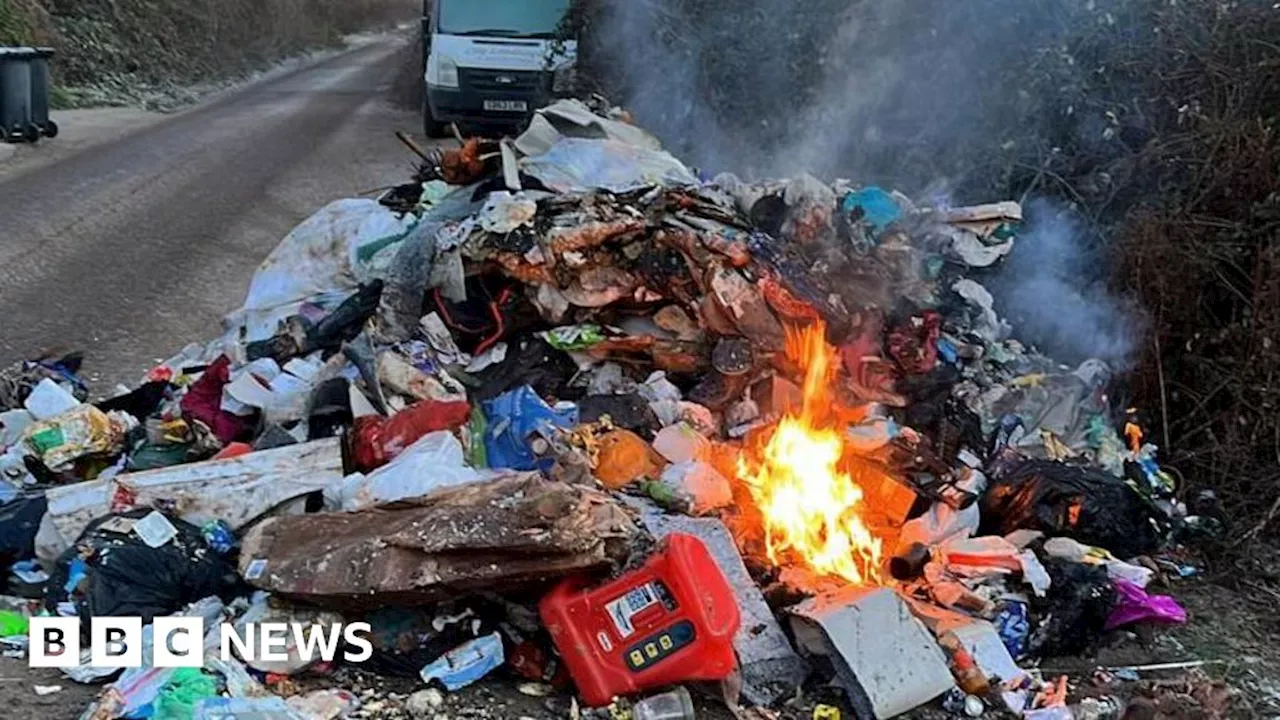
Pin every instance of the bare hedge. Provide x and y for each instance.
(185, 41)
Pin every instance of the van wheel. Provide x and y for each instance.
(431, 127)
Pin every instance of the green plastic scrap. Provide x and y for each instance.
(1109, 451)
(1007, 231)
(45, 439)
(433, 192)
(574, 337)
(366, 252)
(933, 266)
(665, 495)
(150, 456)
(13, 623)
(180, 695)
(476, 427)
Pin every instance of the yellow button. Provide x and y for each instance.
(665, 642)
(651, 650)
(637, 658)
(826, 712)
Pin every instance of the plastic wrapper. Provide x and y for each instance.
(138, 691)
(503, 212)
(258, 708)
(183, 691)
(13, 423)
(515, 422)
(328, 704)
(873, 206)
(466, 663)
(624, 458)
(82, 431)
(682, 443)
(1069, 549)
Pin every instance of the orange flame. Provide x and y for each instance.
(812, 509)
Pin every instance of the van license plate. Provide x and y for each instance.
(506, 105)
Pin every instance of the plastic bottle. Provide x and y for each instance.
(1053, 713)
(968, 676)
(671, 705)
(1099, 708)
(219, 536)
(909, 563)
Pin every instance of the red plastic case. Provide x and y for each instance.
(670, 621)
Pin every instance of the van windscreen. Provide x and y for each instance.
(502, 18)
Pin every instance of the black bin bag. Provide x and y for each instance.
(111, 572)
(1082, 503)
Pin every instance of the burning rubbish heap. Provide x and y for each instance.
(562, 407)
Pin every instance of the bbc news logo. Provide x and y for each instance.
(178, 642)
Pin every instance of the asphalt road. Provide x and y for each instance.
(133, 248)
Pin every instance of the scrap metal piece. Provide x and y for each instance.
(732, 356)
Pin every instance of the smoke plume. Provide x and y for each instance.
(1053, 290)
(974, 99)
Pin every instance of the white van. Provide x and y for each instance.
(491, 63)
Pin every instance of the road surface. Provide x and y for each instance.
(133, 248)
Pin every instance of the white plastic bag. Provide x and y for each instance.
(697, 487)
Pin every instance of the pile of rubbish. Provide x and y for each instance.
(564, 410)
